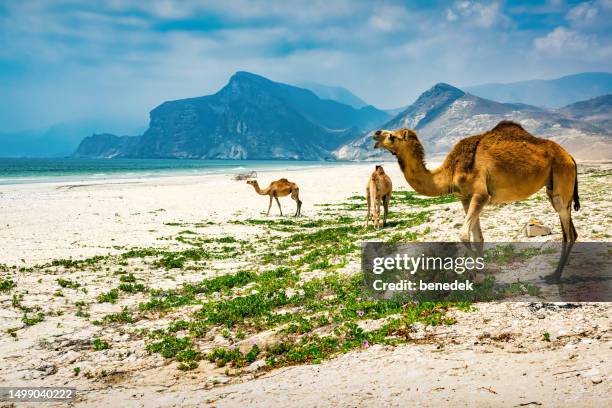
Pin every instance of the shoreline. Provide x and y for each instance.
(232, 167)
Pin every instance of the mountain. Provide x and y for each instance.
(250, 118)
(108, 145)
(552, 93)
(335, 93)
(59, 140)
(444, 114)
(597, 111)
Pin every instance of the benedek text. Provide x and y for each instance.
(406, 285)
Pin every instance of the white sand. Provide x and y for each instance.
(472, 363)
(39, 222)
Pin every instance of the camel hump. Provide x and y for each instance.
(284, 180)
(504, 124)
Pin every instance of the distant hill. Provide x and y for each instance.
(335, 93)
(597, 111)
(444, 114)
(552, 93)
(59, 140)
(251, 117)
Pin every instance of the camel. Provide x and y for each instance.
(280, 188)
(502, 165)
(378, 189)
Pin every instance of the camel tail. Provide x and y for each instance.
(576, 197)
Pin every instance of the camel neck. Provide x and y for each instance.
(424, 181)
(259, 190)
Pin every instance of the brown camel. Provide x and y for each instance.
(280, 188)
(378, 189)
(502, 165)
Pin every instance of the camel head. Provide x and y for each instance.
(252, 182)
(395, 140)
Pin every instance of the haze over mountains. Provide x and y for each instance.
(255, 118)
(551, 93)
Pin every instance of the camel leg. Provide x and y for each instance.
(569, 237)
(560, 196)
(476, 204)
(369, 205)
(298, 204)
(386, 207)
(376, 213)
(476, 232)
(295, 196)
(269, 206)
(279, 207)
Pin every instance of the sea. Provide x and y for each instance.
(34, 170)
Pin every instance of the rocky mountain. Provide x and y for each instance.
(108, 145)
(444, 114)
(335, 93)
(552, 93)
(250, 118)
(597, 111)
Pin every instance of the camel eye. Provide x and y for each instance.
(392, 138)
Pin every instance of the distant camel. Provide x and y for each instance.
(378, 189)
(280, 188)
(502, 165)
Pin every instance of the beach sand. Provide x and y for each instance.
(494, 356)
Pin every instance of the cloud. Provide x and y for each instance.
(562, 41)
(585, 33)
(390, 18)
(583, 13)
(477, 13)
(65, 59)
(591, 15)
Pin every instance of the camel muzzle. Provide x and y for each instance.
(378, 137)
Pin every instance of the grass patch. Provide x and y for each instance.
(6, 285)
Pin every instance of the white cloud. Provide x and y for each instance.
(583, 13)
(390, 18)
(477, 13)
(562, 41)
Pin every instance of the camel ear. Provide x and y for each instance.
(407, 133)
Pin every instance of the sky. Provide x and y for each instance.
(63, 60)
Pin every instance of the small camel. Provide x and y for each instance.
(378, 189)
(280, 188)
(502, 165)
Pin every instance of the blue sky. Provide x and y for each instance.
(68, 60)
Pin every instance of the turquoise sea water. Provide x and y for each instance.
(18, 171)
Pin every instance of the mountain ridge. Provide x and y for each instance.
(444, 114)
(251, 117)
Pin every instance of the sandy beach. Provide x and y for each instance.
(493, 355)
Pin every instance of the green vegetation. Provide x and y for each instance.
(32, 320)
(291, 284)
(122, 317)
(109, 297)
(100, 345)
(6, 285)
(67, 283)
